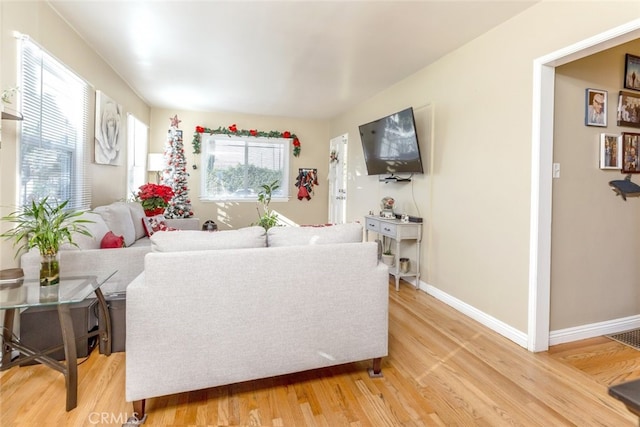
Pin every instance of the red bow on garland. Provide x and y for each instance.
(233, 130)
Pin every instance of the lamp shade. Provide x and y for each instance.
(155, 162)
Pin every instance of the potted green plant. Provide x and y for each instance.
(46, 226)
(268, 218)
(387, 256)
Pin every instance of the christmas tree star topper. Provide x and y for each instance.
(174, 121)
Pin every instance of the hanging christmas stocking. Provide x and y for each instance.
(303, 192)
(309, 185)
(300, 178)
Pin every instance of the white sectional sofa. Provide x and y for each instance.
(123, 219)
(219, 308)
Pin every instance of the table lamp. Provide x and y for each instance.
(155, 163)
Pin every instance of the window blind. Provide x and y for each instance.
(54, 157)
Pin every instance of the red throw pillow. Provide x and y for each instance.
(110, 241)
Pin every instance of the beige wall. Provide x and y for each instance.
(314, 139)
(42, 25)
(595, 242)
(476, 197)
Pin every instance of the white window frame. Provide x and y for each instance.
(137, 147)
(54, 157)
(208, 152)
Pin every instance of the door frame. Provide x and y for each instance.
(541, 172)
(342, 158)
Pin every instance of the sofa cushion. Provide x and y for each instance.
(144, 242)
(137, 214)
(110, 241)
(297, 236)
(118, 218)
(97, 227)
(191, 240)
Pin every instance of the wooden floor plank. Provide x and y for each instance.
(443, 369)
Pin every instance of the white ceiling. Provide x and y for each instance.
(307, 59)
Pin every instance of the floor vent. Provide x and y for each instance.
(630, 338)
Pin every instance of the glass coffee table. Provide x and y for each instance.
(16, 294)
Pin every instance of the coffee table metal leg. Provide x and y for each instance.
(7, 336)
(70, 354)
(105, 335)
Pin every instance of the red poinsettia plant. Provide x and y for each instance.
(154, 198)
(233, 130)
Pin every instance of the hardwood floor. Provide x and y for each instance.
(443, 369)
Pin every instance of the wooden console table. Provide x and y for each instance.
(398, 231)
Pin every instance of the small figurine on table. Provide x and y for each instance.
(387, 207)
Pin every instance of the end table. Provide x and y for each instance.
(19, 293)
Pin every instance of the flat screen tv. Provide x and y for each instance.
(390, 145)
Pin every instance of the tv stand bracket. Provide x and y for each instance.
(394, 178)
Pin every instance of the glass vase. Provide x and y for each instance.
(50, 269)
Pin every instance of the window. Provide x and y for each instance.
(137, 159)
(235, 168)
(53, 145)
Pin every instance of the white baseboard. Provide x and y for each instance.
(490, 322)
(560, 336)
(582, 332)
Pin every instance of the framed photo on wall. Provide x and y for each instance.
(629, 109)
(595, 111)
(630, 159)
(610, 152)
(632, 72)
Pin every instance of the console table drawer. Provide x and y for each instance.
(388, 229)
(373, 225)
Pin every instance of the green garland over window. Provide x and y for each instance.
(234, 131)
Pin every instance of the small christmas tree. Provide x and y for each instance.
(175, 174)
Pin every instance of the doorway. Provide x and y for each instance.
(338, 179)
(541, 172)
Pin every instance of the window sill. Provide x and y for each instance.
(11, 115)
